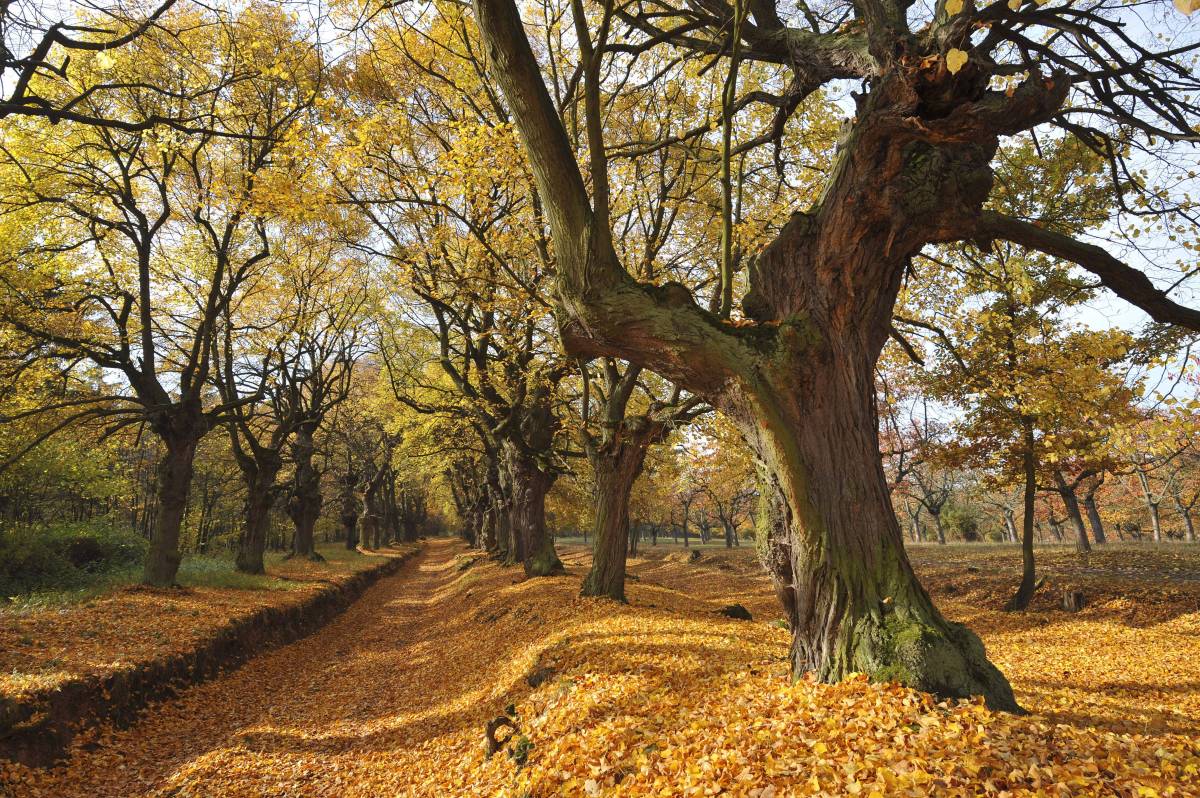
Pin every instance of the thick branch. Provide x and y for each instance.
(1123, 280)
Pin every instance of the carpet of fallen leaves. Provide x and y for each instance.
(664, 697)
(43, 648)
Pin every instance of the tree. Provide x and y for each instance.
(452, 212)
(616, 449)
(913, 169)
(139, 241)
(1032, 382)
(311, 325)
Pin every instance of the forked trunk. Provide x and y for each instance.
(798, 380)
(835, 549)
(530, 545)
(616, 469)
(174, 482)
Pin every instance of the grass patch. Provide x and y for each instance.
(221, 573)
(46, 578)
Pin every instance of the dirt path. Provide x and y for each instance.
(301, 718)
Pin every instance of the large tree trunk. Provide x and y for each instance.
(616, 469)
(835, 551)
(1093, 514)
(304, 506)
(1071, 503)
(798, 377)
(256, 514)
(174, 482)
(530, 544)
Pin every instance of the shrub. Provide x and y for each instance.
(64, 556)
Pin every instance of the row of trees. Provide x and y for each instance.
(507, 250)
(174, 283)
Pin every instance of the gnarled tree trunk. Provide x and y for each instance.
(616, 468)
(304, 506)
(260, 495)
(835, 549)
(529, 483)
(797, 376)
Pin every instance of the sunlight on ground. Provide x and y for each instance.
(660, 698)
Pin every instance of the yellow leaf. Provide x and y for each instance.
(955, 60)
(954, 6)
(1187, 6)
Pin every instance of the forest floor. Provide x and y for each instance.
(664, 697)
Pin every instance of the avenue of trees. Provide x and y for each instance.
(822, 279)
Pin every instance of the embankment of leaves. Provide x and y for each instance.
(36, 726)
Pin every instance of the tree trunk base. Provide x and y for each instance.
(593, 588)
(1024, 595)
(932, 655)
(161, 572)
(251, 565)
(544, 561)
(312, 556)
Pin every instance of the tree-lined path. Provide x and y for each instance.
(392, 697)
(308, 718)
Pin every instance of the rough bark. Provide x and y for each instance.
(530, 544)
(616, 468)
(797, 377)
(304, 506)
(173, 483)
(260, 495)
(836, 552)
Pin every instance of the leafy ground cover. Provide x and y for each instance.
(109, 623)
(664, 697)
